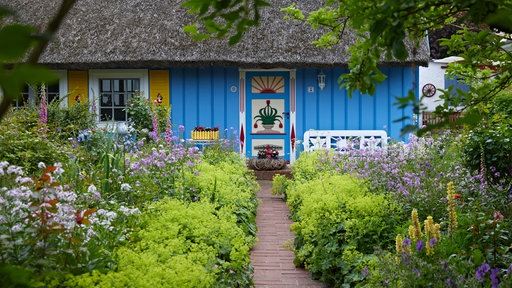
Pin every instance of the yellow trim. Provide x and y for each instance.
(159, 84)
(77, 86)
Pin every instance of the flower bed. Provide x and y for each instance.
(452, 228)
(148, 215)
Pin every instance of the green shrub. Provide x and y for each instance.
(279, 185)
(179, 245)
(229, 186)
(338, 226)
(139, 114)
(310, 165)
(489, 149)
(69, 121)
(25, 146)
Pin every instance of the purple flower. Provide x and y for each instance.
(494, 277)
(509, 269)
(432, 242)
(481, 271)
(444, 264)
(365, 271)
(419, 245)
(181, 128)
(406, 242)
(417, 271)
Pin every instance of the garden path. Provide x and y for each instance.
(272, 260)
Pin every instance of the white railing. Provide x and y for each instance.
(342, 140)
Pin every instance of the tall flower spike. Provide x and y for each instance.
(452, 214)
(43, 110)
(398, 244)
(429, 231)
(416, 224)
(155, 125)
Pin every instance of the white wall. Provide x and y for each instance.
(432, 74)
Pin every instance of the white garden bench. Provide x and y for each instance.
(342, 140)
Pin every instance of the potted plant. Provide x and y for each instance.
(268, 159)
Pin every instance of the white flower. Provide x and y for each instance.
(24, 180)
(41, 165)
(59, 169)
(126, 187)
(127, 211)
(4, 164)
(14, 170)
(16, 228)
(92, 189)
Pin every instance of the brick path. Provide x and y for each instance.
(273, 263)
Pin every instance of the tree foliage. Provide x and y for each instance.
(394, 29)
(389, 27)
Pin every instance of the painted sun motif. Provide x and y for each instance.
(267, 84)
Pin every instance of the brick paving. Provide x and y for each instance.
(272, 261)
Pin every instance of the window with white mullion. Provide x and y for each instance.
(114, 97)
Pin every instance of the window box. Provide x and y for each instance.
(205, 135)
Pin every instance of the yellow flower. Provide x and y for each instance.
(452, 214)
(416, 223)
(398, 244)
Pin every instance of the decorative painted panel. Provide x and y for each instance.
(267, 85)
(267, 116)
(268, 112)
(77, 87)
(159, 87)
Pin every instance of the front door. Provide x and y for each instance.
(268, 113)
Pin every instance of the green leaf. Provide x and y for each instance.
(501, 19)
(13, 80)
(16, 40)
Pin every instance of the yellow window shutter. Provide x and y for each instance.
(77, 87)
(159, 87)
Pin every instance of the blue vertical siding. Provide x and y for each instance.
(332, 109)
(202, 96)
(209, 96)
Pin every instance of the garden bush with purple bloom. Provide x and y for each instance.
(474, 217)
(71, 224)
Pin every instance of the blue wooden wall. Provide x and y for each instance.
(332, 109)
(204, 96)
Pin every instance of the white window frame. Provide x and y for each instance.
(63, 85)
(62, 75)
(94, 83)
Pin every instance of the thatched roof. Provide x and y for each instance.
(144, 33)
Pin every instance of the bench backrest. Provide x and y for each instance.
(344, 139)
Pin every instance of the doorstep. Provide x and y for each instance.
(269, 174)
